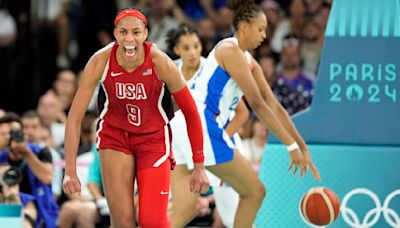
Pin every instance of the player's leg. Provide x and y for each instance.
(239, 174)
(226, 198)
(117, 170)
(153, 184)
(183, 201)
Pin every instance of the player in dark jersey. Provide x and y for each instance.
(133, 135)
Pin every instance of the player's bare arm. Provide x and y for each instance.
(241, 116)
(274, 104)
(90, 76)
(282, 115)
(233, 63)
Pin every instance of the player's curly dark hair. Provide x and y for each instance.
(243, 10)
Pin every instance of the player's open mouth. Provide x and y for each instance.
(130, 50)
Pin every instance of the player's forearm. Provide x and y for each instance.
(287, 123)
(241, 116)
(72, 134)
(265, 113)
(234, 126)
(193, 123)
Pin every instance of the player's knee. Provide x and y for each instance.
(260, 191)
(256, 193)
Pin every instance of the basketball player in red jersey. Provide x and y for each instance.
(133, 136)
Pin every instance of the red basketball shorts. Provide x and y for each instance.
(149, 150)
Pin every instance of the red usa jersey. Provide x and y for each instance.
(137, 102)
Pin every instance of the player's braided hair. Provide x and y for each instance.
(244, 10)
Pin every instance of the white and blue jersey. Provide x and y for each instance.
(216, 95)
(216, 90)
(190, 83)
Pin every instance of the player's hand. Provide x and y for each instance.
(71, 184)
(314, 170)
(297, 160)
(311, 165)
(199, 182)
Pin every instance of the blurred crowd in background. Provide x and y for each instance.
(45, 44)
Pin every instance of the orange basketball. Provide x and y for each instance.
(320, 206)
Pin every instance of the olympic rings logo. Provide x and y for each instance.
(390, 215)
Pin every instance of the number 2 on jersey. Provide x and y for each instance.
(234, 103)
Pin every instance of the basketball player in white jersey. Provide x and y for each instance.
(185, 42)
(225, 77)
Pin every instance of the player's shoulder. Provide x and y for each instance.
(230, 42)
(228, 47)
(104, 53)
(226, 51)
(155, 52)
(100, 58)
(98, 61)
(157, 55)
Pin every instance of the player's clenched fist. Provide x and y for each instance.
(199, 182)
(71, 184)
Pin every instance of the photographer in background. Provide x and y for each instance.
(33, 128)
(34, 164)
(10, 177)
